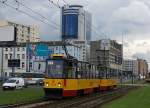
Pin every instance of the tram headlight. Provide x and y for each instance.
(47, 84)
(59, 84)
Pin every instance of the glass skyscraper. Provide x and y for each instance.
(76, 23)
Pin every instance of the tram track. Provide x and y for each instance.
(91, 101)
(87, 101)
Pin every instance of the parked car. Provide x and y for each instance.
(14, 83)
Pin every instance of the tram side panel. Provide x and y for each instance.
(70, 87)
(107, 84)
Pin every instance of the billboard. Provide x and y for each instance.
(7, 33)
(38, 50)
(14, 63)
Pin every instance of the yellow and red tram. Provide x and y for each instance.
(69, 77)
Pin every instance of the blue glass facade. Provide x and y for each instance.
(76, 23)
(70, 26)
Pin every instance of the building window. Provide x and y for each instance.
(23, 64)
(11, 49)
(23, 49)
(23, 56)
(18, 56)
(18, 49)
(30, 64)
(6, 56)
(5, 74)
(10, 56)
(6, 49)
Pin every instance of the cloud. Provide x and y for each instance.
(111, 19)
(132, 19)
(136, 12)
(142, 55)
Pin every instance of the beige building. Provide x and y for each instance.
(142, 68)
(23, 32)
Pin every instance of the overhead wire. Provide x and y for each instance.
(56, 5)
(65, 2)
(21, 11)
(42, 16)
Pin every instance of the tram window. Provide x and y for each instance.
(97, 72)
(84, 71)
(88, 71)
(55, 68)
(74, 70)
(93, 71)
(79, 70)
(70, 69)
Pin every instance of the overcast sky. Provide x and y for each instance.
(112, 19)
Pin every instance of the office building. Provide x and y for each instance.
(130, 67)
(76, 23)
(107, 54)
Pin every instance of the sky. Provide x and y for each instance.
(127, 21)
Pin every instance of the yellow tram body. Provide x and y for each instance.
(68, 78)
(74, 87)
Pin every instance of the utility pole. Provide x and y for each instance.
(105, 63)
(121, 81)
(132, 72)
(28, 52)
(13, 57)
(2, 69)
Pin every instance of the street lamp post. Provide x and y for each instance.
(132, 73)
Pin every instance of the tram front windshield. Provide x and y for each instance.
(55, 68)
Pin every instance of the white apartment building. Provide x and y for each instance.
(22, 32)
(20, 52)
(85, 50)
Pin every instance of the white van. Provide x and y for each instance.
(14, 83)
